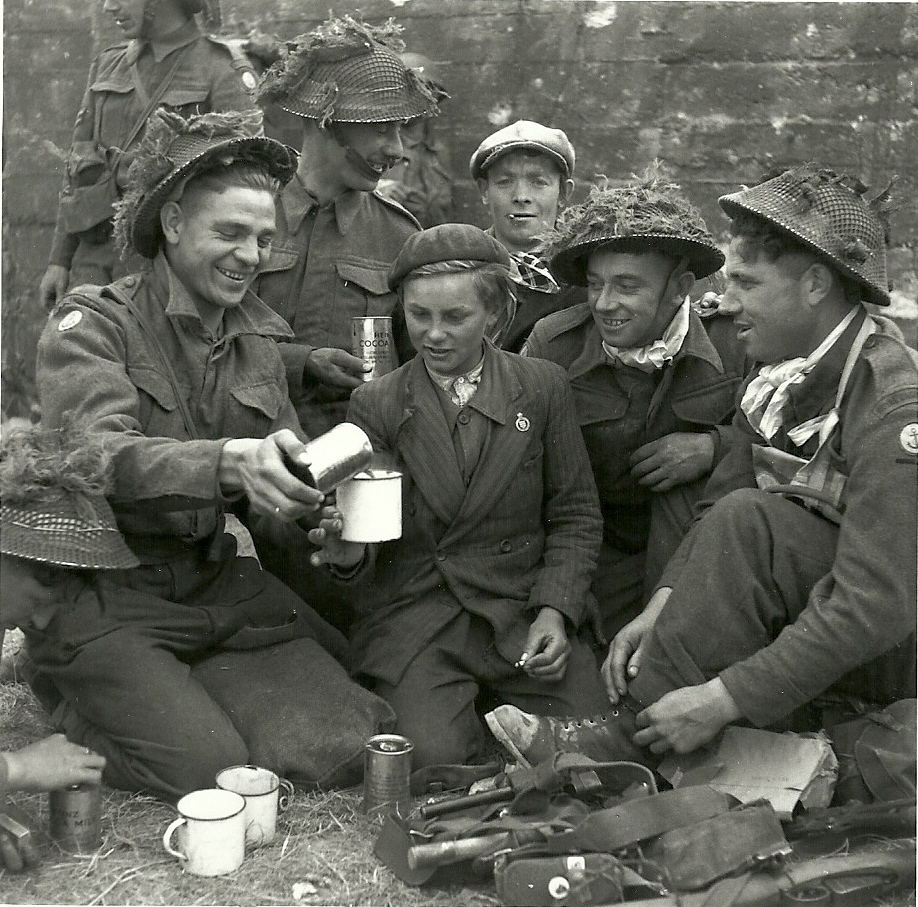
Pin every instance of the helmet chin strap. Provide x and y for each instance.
(355, 159)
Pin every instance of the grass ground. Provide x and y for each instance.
(322, 854)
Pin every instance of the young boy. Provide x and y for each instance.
(488, 584)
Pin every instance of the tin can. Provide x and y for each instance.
(371, 341)
(387, 775)
(75, 817)
(335, 456)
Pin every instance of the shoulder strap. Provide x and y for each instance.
(151, 100)
(122, 297)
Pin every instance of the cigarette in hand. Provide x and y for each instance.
(523, 659)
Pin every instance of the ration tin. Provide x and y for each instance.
(75, 817)
(387, 775)
(371, 340)
(333, 457)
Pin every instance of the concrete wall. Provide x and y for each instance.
(721, 92)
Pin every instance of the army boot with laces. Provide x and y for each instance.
(532, 739)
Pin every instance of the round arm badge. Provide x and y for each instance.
(70, 320)
(522, 423)
(908, 438)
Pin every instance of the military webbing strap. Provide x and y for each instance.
(608, 830)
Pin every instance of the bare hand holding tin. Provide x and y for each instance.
(53, 763)
(338, 367)
(256, 468)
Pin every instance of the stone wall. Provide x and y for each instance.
(721, 92)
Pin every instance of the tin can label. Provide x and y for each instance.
(371, 341)
(75, 817)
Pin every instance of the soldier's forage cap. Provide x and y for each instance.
(447, 242)
(524, 135)
(346, 71)
(174, 150)
(649, 214)
(52, 501)
(827, 213)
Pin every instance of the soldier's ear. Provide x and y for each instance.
(171, 220)
(483, 188)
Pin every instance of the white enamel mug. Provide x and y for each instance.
(370, 504)
(261, 790)
(211, 832)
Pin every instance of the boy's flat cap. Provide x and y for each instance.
(524, 134)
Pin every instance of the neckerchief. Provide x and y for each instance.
(767, 394)
(654, 355)
(528, 270)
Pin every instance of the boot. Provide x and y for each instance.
(532, 739)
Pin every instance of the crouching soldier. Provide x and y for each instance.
(178, 373)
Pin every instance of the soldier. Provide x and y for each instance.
(336, 236)
(525, 175)
(178, 371)
(654, 395)
(165, 61)
(799, 579)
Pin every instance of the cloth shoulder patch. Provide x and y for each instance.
(70, 320)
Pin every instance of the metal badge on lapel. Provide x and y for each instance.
(522, 423)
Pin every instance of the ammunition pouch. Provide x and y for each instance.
(91, 190)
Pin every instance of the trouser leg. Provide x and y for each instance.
(135, 703)
(434, 701)
(671, 517)
(753, 559)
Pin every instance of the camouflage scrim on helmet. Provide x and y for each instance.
(828, 214)
(648, 214)
(174, 150)
(349, 72)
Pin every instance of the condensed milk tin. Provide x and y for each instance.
(371, 340)
(387, 775)
(333, 457)
(75, 817)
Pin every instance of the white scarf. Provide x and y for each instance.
(767, 394)
(657, 354)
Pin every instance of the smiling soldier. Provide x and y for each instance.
(525, 176)
(177, 373)
(653, 393)
(336, 236)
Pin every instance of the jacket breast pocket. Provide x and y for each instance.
(363, 288)
(257, 407)
(159, 415)
(187, 97)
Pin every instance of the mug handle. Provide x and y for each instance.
(167, 838)
(286, 795)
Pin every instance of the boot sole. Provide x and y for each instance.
(502, 737)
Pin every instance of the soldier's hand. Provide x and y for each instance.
(332, 548)
(53, 763)
(256, 467)
(687, 718)
(673, 460)
(337, 367)
(53, 285)
(626, 652)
